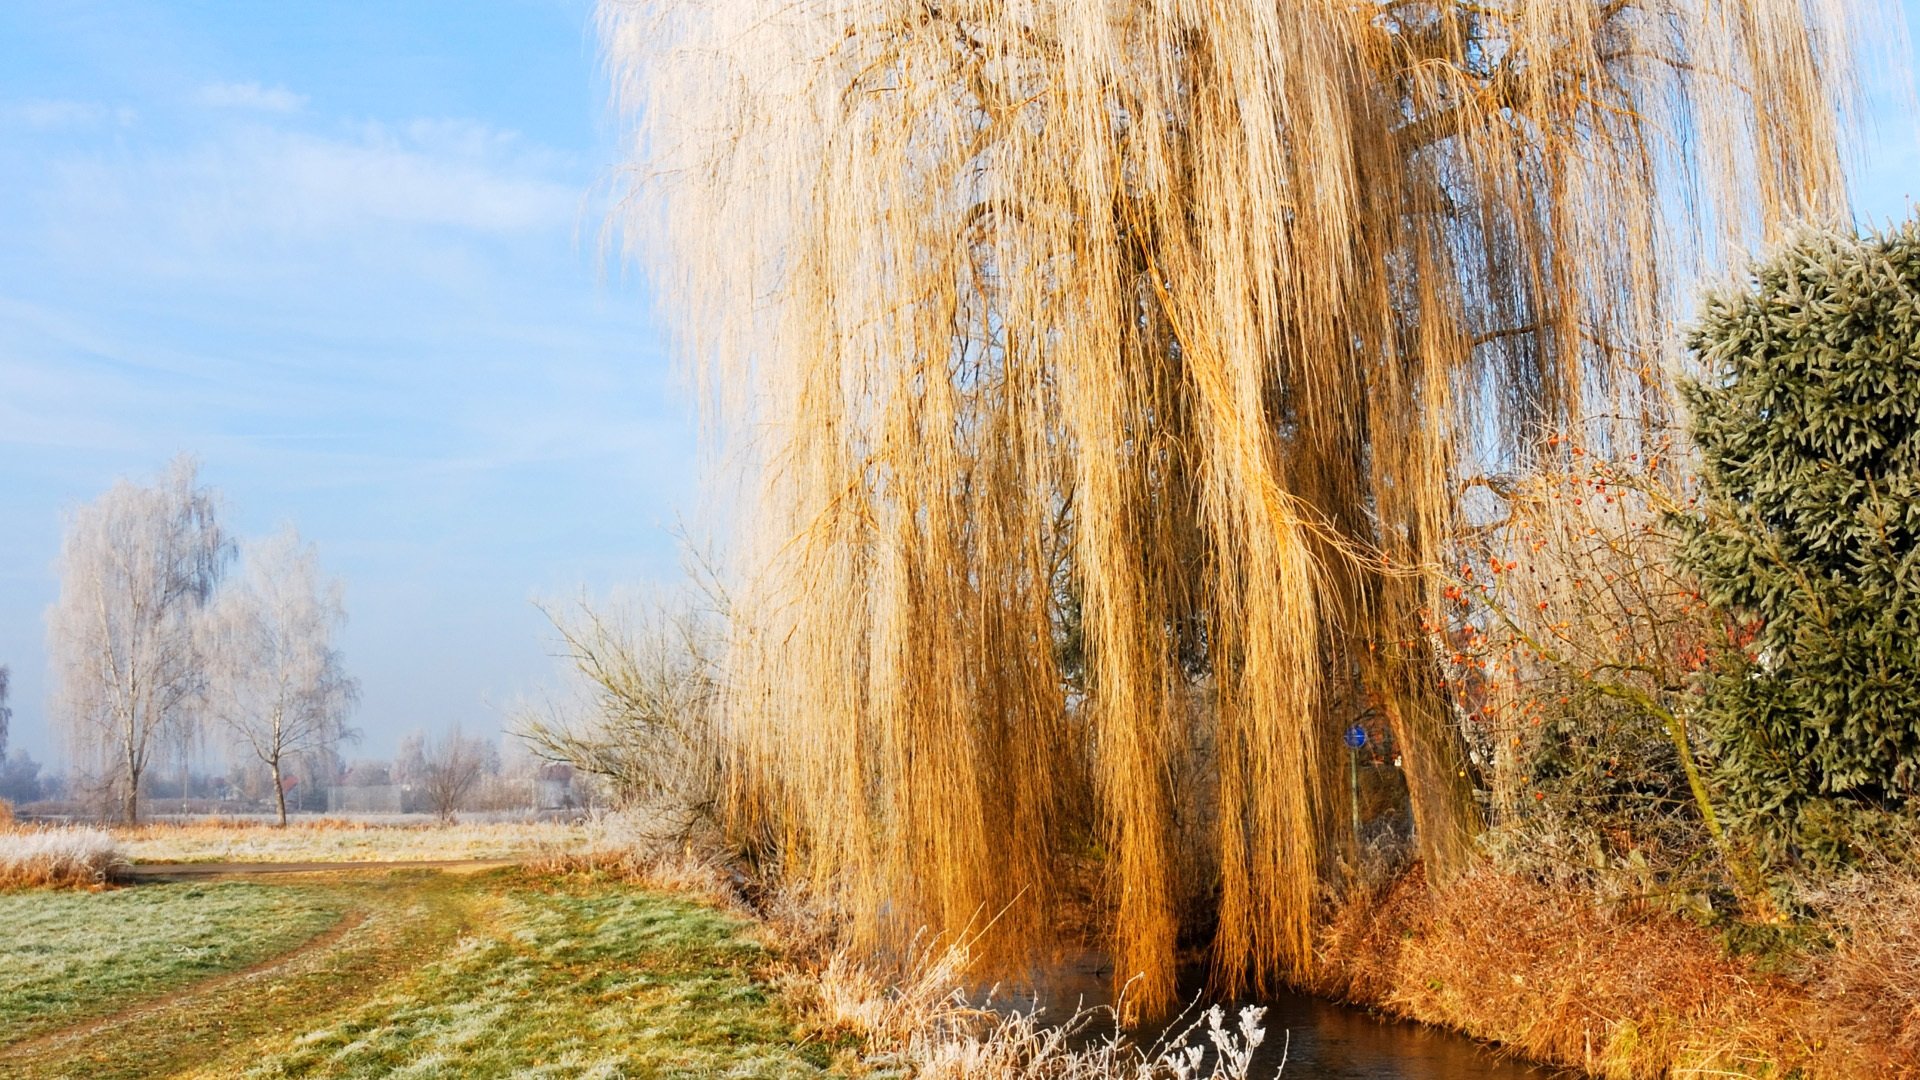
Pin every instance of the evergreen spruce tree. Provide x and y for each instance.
(1808, 425)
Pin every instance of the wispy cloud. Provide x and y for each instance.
(249, 95)
(52, 114)
(264, 197)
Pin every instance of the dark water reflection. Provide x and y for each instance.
(1320, 1040)
(1324, 1041)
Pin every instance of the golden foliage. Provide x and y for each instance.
(1105, 371)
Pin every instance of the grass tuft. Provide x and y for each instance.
(57, 858)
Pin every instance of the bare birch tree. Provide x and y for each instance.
(6, 713)
(136, 568)
(276, 685)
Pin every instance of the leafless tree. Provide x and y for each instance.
(136, 568)
(450, 765)
(6, 714)
(276, 686)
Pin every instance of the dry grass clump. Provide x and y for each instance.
(56, 858)
(1870, 989)
(1629, 991)
(1546, 972)
(632, 847)
(680, 873)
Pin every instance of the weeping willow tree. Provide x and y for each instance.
(1108, 371)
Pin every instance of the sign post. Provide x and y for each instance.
(1355, 739)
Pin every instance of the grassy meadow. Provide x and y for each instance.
(72, 956)
(357, 973)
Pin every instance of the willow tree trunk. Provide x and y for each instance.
(1446, 819)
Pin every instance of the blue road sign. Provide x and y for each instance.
(1356, 736)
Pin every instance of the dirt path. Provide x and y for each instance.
(59, 1039)
(179, 871)
(393, 926)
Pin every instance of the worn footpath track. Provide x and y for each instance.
(181, 871)
(394, 923)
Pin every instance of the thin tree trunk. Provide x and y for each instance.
(130, 810)
(279, 791)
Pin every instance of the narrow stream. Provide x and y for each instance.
(1320, 1040)
(1325, 1041)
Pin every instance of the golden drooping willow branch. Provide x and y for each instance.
(1107, 371)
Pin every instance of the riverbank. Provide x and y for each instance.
(1627, 989)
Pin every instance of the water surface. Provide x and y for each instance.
(1321, 1040)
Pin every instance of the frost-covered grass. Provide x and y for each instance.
(336, 840)
(580, 977)
(31, 857)
(505, 973)
(921, 1022)
(70, 956)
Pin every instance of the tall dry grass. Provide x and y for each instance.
(35, 857)
(344, 840)
(1107, 371)
(1869, 989)
(1633, 991)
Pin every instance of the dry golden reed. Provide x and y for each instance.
(1103, 373)
(1630, 992)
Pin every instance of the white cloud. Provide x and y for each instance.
(249, 95)
(258, 198)
(60, 115)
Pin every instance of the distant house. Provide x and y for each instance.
(365, 799)
(553, 787)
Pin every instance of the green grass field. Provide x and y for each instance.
(69, 956)
(420, 974)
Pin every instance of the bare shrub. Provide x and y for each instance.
(1575, 641)
(57, 858)
(646, 722)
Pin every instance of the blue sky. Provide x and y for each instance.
(347, 253)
